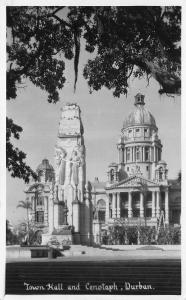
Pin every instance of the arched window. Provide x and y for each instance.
(101, 207)
(40, 200)
(161, 173)
(111, 175)
(147, 153)
(130, 133)
(137, 153)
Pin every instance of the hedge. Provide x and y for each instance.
(143, 235)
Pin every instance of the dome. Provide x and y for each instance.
(45, 171)
(140, 115)
(45, 166)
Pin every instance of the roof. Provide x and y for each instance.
(134, 181)
(139, 116)
(45, 166)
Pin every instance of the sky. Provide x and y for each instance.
(102, 117)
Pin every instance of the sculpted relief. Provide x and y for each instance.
(68, 166)
(69, 153)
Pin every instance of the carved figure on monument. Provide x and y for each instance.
(61, 166)
(69, 171)
(77, 162)
(75, 167)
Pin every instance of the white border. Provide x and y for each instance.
(3, 5)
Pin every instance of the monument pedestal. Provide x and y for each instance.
(76, 238)
(96, 232)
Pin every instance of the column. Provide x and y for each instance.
(51, 213)
(153, 205)
(143, 153)
(45, 209)
(120, 153)
(130, 205)
(114, 199)
(133, 154)
(76, 215)
(151, 154)
(118, 205)
(123, 158)
(158, 204)
(87, 217)
(56, 215)
(107, 208)
(154, 153)
(166, 207)
(141, 205)
(32, 199)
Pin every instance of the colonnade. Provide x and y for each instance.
(115, 199)
(153, 155)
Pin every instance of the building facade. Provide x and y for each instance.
(137, 191)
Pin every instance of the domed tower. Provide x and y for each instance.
(45, 172)
(139, 147)
(39, 194)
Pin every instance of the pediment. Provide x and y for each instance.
(134, 181)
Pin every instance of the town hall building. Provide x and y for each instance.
(138, 190)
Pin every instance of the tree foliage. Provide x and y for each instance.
(127, 41)
(27, 225)
(123, 37)
(143, 235)
(15, 158)
(11, 238)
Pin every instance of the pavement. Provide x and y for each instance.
(86, 253)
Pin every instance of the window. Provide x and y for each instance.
(137, 132)
(160, 173)
(40, 200)
(40, 216)
(111, 175)
(127, 168)
(130, 132)
(148, 212)
(128, 154)
(101, 216)
(137, 153)
(147, 154)
(101, 207)
(147, 168)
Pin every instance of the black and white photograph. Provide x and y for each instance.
(93, 149)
